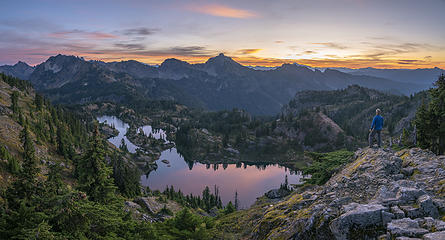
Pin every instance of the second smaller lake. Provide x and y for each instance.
(122, 128)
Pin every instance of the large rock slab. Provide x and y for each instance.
(154, 206)
(427, 206)
(409, 194)
(357, 216)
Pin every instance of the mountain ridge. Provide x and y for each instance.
(220, 83)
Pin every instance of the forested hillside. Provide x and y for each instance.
(352, 108)
(61, 180)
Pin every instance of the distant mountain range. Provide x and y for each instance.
(20, 70)
(219, 83)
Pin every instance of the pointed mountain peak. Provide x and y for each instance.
(221, 59)
(21, 64)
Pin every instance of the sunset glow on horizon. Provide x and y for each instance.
(318, 33)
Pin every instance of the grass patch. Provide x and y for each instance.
(324, 165)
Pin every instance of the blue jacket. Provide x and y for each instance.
(377, 122)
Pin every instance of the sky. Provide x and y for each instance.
(319, 33)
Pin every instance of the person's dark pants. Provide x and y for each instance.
(371, 137)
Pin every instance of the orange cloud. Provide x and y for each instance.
(222, 11)
(248, 51)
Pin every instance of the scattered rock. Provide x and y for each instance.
(411, 212)
(435, 236)
(398, 213)
(380, 195)
(405, 227)
(213, 212)
(408, 171)
(165, 161)
(409, 194)
(131, 204)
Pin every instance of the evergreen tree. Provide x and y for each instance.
(206, 198)
(123, 146)
(437, 108)
(15, 102)
(39, 101)
(236, 200)
(64, 147)
(286, 182)
(406, 141)
(93, 174)
(430, 120)
(125, 177)
(29, 171)
(54, 184)
(229, 208)
(21, 118)
(23, 197)
(13, 165)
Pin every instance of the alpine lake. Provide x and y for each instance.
(250, 181)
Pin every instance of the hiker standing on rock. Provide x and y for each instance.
(376, 128)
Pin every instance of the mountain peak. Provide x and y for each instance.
(221, 59)
(21, 64)
(173, 62)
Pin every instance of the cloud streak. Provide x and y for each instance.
(75, 33)
(248, 51)
(141, 31)
(221, 11)
(332, 45)
(130, 46)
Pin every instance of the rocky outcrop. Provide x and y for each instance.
(382, 194)
(154, 205)
(277, 193)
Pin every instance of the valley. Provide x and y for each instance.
(222, 120)
(169, 160)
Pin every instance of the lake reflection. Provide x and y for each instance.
(250, 181)
(122, 128)
(155, 133)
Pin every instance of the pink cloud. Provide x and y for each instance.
(222, 11)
